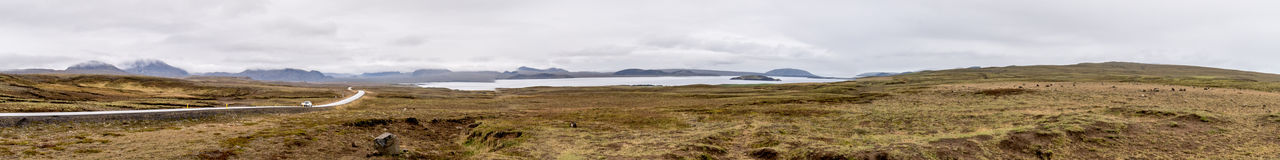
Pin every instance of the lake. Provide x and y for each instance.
(611, 81)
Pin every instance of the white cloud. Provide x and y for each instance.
(838, 38)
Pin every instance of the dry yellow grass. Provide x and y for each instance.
(931, 115)
(61, 93)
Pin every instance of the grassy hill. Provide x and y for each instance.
(71, 92)
(1106, 72)
(1085, 111)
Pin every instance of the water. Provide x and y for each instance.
(611, 81)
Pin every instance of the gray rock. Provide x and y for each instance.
(387, 144)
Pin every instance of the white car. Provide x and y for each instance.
(306, 103)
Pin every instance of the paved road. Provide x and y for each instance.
(355, 97)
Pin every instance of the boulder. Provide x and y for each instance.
(387, 144)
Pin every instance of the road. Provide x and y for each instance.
(355, 97)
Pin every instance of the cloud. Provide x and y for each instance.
(706, 50)
(836, 38)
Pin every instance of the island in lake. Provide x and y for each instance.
(755, 78)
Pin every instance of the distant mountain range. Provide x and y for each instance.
(156, 68)
(646, 72)
(95, 67)
(141, 67)
(528, 70)
(287, 74)
(161, 69)
(886, 74)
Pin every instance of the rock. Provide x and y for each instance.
(755, 78)
(387, 144)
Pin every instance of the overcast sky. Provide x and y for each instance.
(832, 38)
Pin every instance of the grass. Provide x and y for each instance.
(63, 93)
(1091, 111)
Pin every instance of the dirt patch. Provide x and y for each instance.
(218, 154)
(959, 148)
(822, 155)
(764, 153)
(1273, 118)
(1192, 117)
(1028, 145)
(1179, 116)
(1003, 92)
(427, 139)
(369, 123)
(860, 98)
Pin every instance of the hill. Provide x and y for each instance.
(1110, 110)
(1106, 72)
(790, 72)
(71, 92)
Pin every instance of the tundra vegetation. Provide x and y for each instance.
(67, 93)
(1084, 111)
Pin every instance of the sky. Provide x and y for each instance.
(831, 38)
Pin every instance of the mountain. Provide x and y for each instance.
(428, 72)
(645, 72)
(790, 72)
(287, 74)
(341, 75)
(527, 70)
(156, 68)
(427, 75)
(381, 74)
(549, 73)
(95, 67)
(714, 72)
(539, 76)
(638, 72)
(397, 74)
(30, 71)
